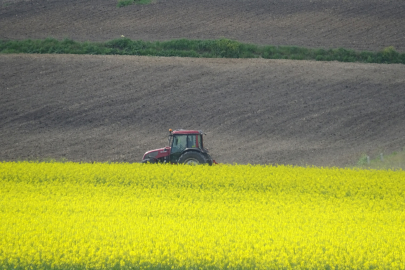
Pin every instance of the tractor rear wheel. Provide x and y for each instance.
(192, 158)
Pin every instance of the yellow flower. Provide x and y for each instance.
(101, 216)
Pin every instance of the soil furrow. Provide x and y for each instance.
(296, 23)
(253, 110)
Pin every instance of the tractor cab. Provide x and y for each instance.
(181, 141)
(185, 146)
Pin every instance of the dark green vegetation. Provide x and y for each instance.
(221, 48)
(123, 3)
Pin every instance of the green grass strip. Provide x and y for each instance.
(221, 48)
(394, 161)
(123, 3)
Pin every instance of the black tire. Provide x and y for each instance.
(192, 158)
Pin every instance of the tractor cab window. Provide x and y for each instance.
(181, 142)
(194, 141)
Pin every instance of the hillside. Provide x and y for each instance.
(362, 24)
(114, 108)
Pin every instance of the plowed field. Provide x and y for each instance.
(114, 108)
(360, 24)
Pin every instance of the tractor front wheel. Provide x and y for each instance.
(149, 160)
(192, 158)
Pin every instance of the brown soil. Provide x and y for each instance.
(360, 24)
(114, 108)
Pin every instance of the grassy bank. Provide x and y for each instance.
(221, 48)
(394, 161)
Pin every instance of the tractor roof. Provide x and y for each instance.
(182, 131)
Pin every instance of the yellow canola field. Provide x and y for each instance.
(141, 216)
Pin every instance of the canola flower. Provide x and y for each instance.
(140, 216)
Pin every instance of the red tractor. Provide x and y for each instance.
(185, 146)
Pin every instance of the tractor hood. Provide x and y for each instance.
(157, 153)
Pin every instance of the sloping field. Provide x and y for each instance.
(114, 108)
(361, 24)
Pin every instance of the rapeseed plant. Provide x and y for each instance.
(137, 216)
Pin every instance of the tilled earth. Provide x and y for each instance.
(357, 24)
(114, 108)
